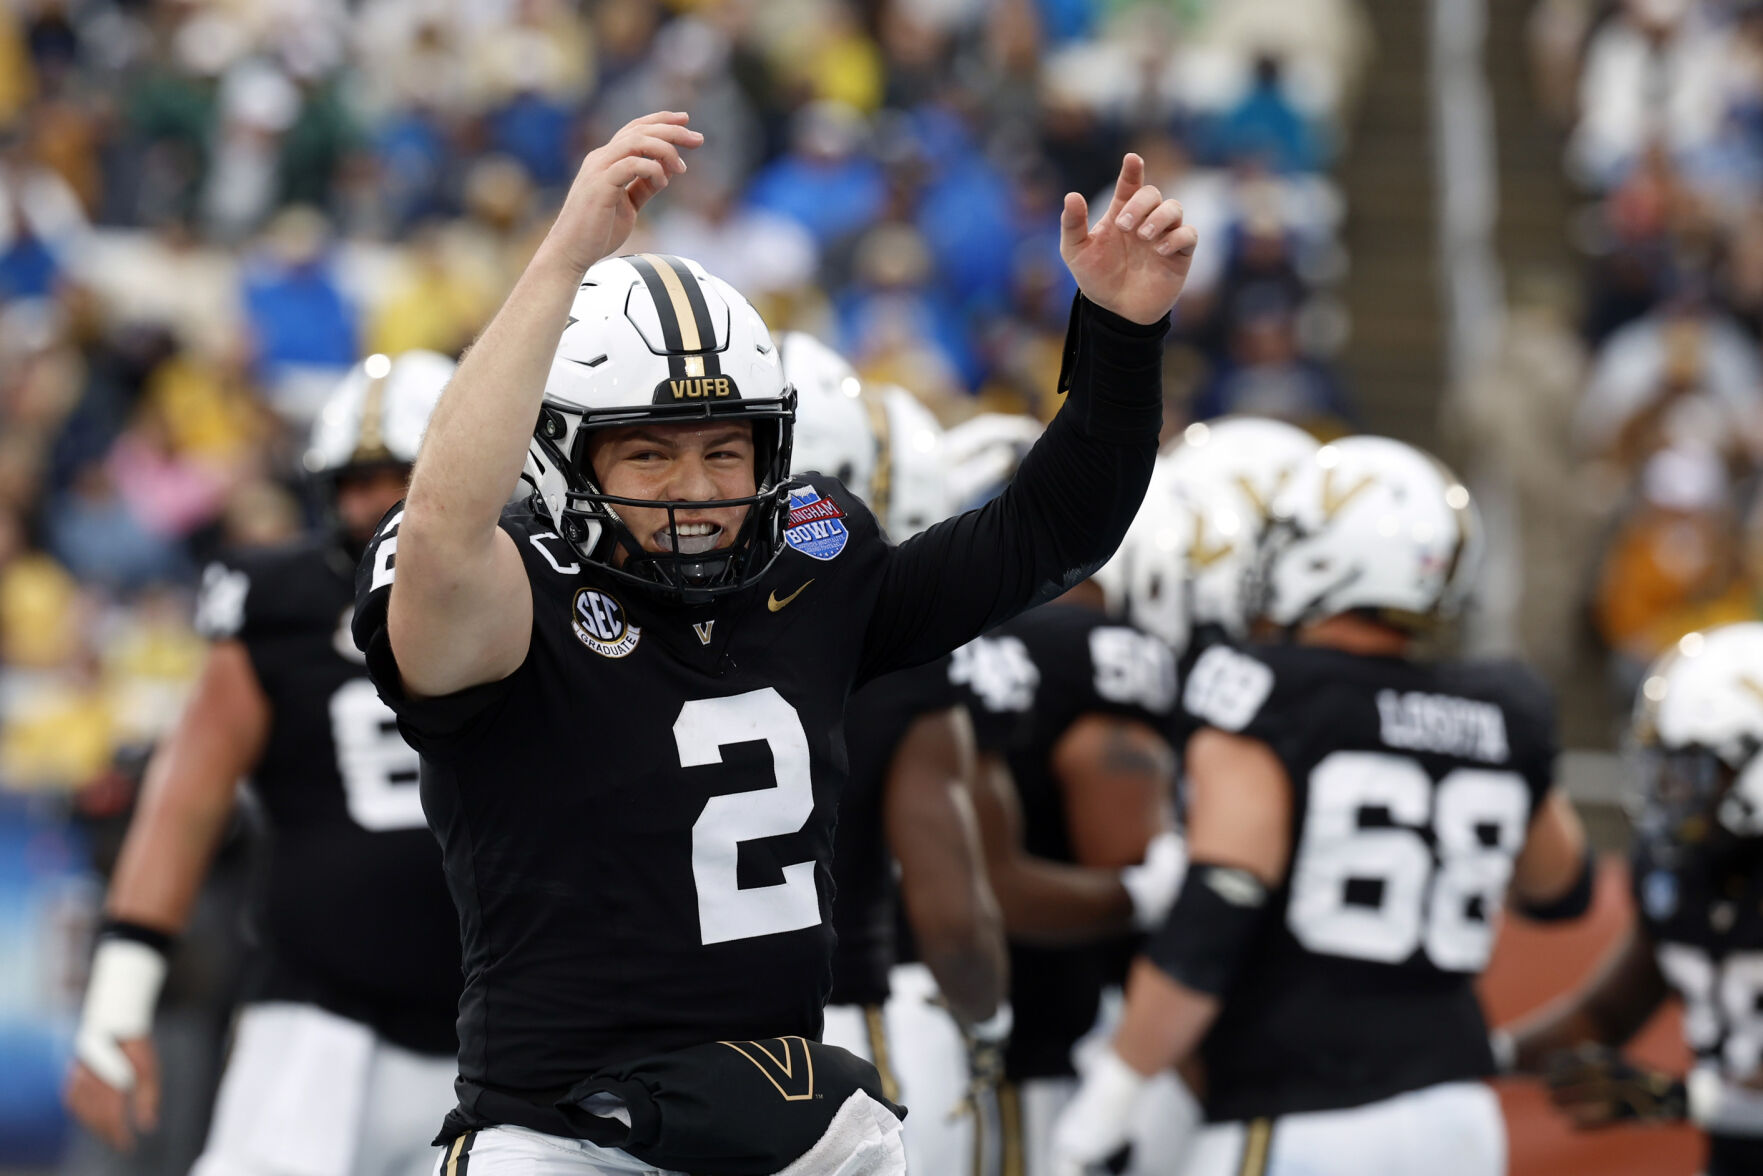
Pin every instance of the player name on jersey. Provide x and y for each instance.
(1444, 725)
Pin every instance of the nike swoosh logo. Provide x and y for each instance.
(774, 604)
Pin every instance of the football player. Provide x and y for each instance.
(1698, 884)
(628, 689)
(1355, 818)
(1075, 813)
(344, 1052)
(908, 800)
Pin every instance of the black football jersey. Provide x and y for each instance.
(637, 823)
(866, 905)
(1702, 910)
(1413, 787)
(354, 912)
(1049, 668)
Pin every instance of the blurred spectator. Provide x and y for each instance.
(1653, 73)
(824, 182)
(297, 312)
(1675, 563)
(1266, 127)
(1266, 375)
(1684, 375)
(765, 255)
(42, 222)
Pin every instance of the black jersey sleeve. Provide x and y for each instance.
(424, 721)
(255, 596)
(1060, 518)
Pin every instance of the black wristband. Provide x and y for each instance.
(1210, 928)
(1576, 901)
(153, 937)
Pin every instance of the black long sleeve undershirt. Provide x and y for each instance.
(1059, 520)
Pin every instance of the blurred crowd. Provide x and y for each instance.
(209, 209)
(1649, 376)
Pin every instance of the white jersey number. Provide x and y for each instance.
(1378, 893)
(1722, 1004)
(379, 769)
(725, 910)
(1133, 668)
(999, 672)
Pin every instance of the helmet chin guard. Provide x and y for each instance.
(655, 341)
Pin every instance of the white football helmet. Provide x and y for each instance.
(1149, 582)
(1228, 472)
(378, 413)
(833, 434)
(1369, 524)
(982, 454)
(911, 489)
(1697, 730)
(654, 339)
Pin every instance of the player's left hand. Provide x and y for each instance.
(1094, 1126)
(1135, 260)
(1596, 1086)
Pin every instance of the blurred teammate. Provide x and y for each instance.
(1698, 883)
(1077, 782)
(1355, 818)
(344, 1052)
(910, 746)
(628, 688)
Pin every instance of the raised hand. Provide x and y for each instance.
(616, 180)
(1135, 260)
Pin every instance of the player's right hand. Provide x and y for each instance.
(125, 1102)
(614, 183)
(1153, 884)
(1094, 1127)
(1596, 1086)
(114, 1087)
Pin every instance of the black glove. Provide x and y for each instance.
(1596, 1086)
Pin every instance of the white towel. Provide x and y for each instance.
(864, 1139)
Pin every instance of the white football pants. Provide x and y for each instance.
(1453, 1129)
(917, 1047)
(309, 1093)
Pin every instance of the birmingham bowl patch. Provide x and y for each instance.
(816, 525)
(599, 621)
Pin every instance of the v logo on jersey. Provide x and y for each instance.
(792, 1074)
(776, 605)
(702, 629)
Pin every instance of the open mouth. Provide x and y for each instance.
(689, 538)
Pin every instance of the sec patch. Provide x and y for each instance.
(816, 525)
(600, 623)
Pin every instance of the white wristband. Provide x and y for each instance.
(126, 978)
(1152, 885)
(1095, 1123)
(996, 1027)
(1505, 1051)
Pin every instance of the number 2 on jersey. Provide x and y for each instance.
(726, 910)
(1372, 891)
